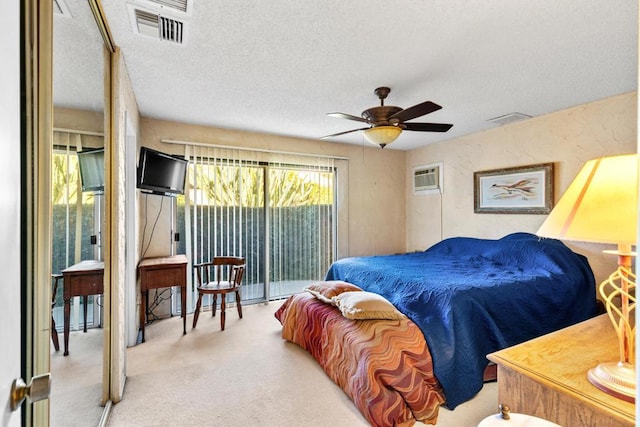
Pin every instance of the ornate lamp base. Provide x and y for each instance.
(615, 378)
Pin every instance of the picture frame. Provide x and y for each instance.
(516, 190)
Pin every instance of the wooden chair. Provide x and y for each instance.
(221, 276)
(54, 291)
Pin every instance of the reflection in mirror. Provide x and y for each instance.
(77, 183)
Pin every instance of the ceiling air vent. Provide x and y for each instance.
(178, 6)
(158, 26)
(509, 118)
(427, 179)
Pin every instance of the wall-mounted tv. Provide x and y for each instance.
(160, 173)
(91, 164)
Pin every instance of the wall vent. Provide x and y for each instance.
(158, 26)
(427, 179)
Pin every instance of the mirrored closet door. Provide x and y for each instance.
(78, 215)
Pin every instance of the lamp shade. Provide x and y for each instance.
(600, 205)
(382, 135)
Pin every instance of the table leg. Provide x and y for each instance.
(85, 301)
(183, 294)
(143, 311)
(223, 310)
(67, 315)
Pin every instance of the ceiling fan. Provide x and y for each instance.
(387, 122)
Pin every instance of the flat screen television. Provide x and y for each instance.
(160, 173)
(91, 164)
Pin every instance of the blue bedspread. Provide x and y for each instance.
(471, 297)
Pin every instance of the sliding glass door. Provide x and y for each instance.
(279, 215)
(76, 220)
(301, 226)
(227, 216)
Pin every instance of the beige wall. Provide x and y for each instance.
(376, 178)
(71, 119)
(81, 120)
(381, 199)
(566, 138)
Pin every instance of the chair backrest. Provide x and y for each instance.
(221, 268)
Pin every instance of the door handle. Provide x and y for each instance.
(37, 389)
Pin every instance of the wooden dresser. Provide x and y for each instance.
(547, 377)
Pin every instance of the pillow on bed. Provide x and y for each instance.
(325, 291)
(366, 305)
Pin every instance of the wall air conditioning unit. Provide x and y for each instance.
(428, 179)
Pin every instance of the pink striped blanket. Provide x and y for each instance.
(384, 366)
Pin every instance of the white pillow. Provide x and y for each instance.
(327, 290)
(366, 305)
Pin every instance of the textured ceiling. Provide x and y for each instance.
(279, 66)
(77, 58)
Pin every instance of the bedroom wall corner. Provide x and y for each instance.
(568, 138)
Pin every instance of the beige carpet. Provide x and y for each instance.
(244, 376)
(76, 380)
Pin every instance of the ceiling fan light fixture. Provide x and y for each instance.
(387, 122)
(382, 135)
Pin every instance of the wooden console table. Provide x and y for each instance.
(82, 279)
(163, 272)
(547, 377)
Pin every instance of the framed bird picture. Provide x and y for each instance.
(517, 190)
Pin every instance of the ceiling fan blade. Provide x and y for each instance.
(427, 127)
(342, 133)
(415, 111)
(348, 117)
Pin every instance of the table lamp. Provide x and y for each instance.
(601, 206)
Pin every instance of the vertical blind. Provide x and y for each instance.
(75, 212)
(75, 215)
(276, 210)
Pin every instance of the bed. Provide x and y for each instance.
(468, 297)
